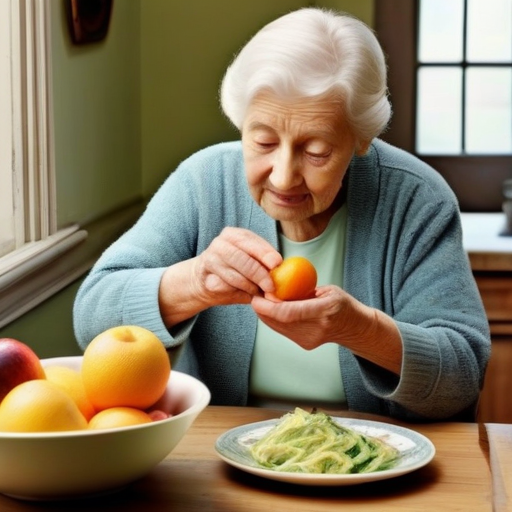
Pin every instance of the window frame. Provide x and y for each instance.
(477, 180)
(39, 269)
(34, 269)
(33, 165)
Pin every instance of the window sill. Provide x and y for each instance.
(487, 248)
(39, 270)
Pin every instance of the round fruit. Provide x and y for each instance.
(39, 406)
(71, 382)
(125, 366)
(18, 363)
(158, 415)
(294, 279)
(119, 417)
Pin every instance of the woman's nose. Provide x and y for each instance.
(285, 174)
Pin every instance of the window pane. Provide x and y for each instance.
(440, 31)
(488, 110)
(489, 34)
(438, 128)
(7, 240)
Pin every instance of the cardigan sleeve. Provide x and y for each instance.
(419, 273)
(444, 329)
(122, 287)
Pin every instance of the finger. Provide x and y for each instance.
(239, 263)
(282, 312)
(230, 280)
(290, 311)
(227, 293)
(271, 296)
(253, 270)
(254, 245)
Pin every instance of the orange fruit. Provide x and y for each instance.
(125, 366)
(39, 406)
(294, 279)
(71, 382)
(119, 417)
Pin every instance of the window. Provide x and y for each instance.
(28, 169)
(29, 238)
(464, 77)
(450, 80)
(7, 241)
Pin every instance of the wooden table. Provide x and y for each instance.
(193, 478)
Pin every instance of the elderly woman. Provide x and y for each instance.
(396, 326)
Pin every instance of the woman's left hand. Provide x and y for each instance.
(333, 315)
(309, 323)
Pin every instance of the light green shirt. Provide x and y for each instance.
(281, 370)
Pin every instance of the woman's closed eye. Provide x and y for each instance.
(313, 154)
(266, 145)
(317, 150)
(318, 157)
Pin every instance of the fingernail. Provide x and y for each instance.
(271, 260)
(267, 285)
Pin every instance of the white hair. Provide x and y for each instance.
(313, 53)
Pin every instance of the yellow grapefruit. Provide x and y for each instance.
(118, 417)
(71, 382)
(39, 406)
(125, 366)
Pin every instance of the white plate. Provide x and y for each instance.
(415, 452)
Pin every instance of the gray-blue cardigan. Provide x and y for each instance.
(404, 256)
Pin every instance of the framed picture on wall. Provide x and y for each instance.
(88, 20)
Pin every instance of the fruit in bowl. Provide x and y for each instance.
(18, 364)
(56, 463)
(39, 406)
(124, 371)
(125, 366)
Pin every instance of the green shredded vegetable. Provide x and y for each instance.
(313, 442)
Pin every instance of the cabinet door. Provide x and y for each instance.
(496, 292)
(496, 398)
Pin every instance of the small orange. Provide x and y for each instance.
(116, 417)
(39, 406)
(295, 278)
(71, 382)
(125, 366)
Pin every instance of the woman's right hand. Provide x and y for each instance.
(234, 268)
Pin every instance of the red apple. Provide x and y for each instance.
(18, 363)
(157, 415)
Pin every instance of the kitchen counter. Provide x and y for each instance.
(487, 248)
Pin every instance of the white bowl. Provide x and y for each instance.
(48, 466)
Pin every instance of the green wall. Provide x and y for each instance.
(96, 105)
(129, 109)
(48, 328)
(185, 49)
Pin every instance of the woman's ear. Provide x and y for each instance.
(362, 147)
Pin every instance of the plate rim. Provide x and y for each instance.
(328, 479)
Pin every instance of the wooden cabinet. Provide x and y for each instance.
(496, 398)
(490, 254)
(496, 291)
